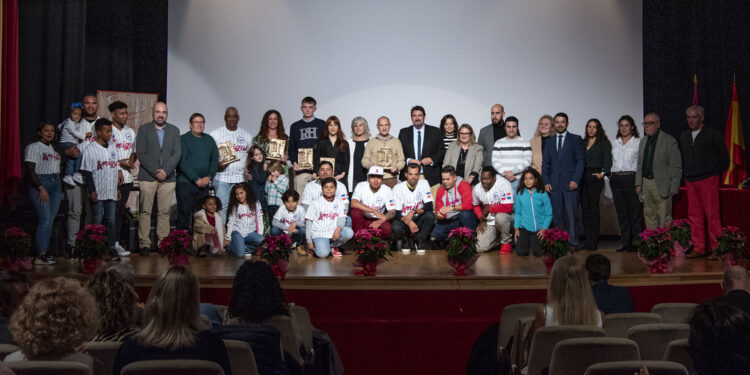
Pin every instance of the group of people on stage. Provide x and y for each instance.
(321, 188)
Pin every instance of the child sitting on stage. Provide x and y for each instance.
(325, 222)
(290, 219)
(244, 221)
(208, 228)
(276, 185)
(533, 213)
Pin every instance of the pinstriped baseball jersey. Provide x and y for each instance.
(89, 126)
(103, 164)
(124, 141)
(244, 221)
(46, 160)
(381, 200)
(323, 216)
(408, 200)
(242, 141)
(313, 191)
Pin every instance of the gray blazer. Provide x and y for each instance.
(667, 165)
(154, 157)
(487, 140)
(474, 158)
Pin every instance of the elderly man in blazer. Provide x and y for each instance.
(659, 172)
(159, 149)
(422, 144)
(562, 171)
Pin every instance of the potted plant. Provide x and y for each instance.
(275, 250)
(15, 250)
(370, 249)
(654, 249)
(176, 246)
(91, 246)
(555, 245)
(462, 250)
(731, 246)
(682, 241)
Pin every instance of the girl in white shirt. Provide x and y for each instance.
(622, 181)
(244, 221)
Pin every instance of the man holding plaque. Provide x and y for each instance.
(303, 135)
(384, 150)
(233, 144)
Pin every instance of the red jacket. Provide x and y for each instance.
(460, 194)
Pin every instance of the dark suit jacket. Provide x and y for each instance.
(739, 298)
(612, 299)
(561, 167)
(432, 147)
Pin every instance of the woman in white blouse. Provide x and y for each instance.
(622, 181)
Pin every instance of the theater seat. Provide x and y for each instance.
(509, 318)
(677, 351)
(574, 356)
(674, 312)
(632, 367)
(173, 367)
(617, 325)
(105, 351)
(241, 358)
(49, 368)
(6, 349)
(653, 339)
(546, 338)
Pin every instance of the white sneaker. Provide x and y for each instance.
(69, 180)
(78, 178)
(421, 251)
(121, 250)
(406, 251)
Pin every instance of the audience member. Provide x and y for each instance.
(173, 326)
(303, 135)
(448, 125)
(332, 146)
(372, 204)
(719, 338)
(422, 144)
(494, 196)
(256, 294)
(123, 137)
(290, 220)
(493, 132)
(736, 286)
(511, 154)
(14, 286)
(466, 155)
(598, 163)
(313, 190)
(276, 185)
(244, 221)
(609, 298)
(454, 207)
(230, 172)
(208, 228)
(357, 146)
(624, 166)
(116, 303)
(325, 221)
(533, 213)
(385, 151)
(537, 142)
(199, 163)
(414, 218)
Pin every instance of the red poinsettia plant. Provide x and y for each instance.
(275, 250)
(461, 250)
(176, 246)
(654, 249)
(556, 243)
(732, 245)
(16, 243)
(91, 246)
(370, 249)
(679, 231)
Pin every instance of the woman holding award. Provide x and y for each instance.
(333, 147)
(272, 138)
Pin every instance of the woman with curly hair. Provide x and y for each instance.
(256, 294)
(173, 326)
(56, 317)
(116, 301)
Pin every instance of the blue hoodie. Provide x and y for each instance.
(533, 211)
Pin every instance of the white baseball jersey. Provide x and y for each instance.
(244, 221)
(499, 198)
(408, 200)
(313, 191)
(381, 200)
(323, 216)
(73, 132)
(286, 218)
(124, 141)
(242, 141)
(103, 164)
(46, 160)
(89, 127)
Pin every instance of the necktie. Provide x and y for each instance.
(559, 142)
(419, 145)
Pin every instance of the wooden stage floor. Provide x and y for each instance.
(413, 272)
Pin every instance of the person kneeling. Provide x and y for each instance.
(494, 196)
(370, 199)
(325, 220)
(454, 206)
(414, 215)
(244, 221)
(291, 220)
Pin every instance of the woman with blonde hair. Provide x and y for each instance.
(173, 326)
(56, 317)
(116, 301)
(466, 155)
(570, 300)
(357, 144)
(543, 130)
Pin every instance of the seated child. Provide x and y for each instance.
(208, 228)
(290, 219)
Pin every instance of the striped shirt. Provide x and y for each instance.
(88, 127)
(283, 218)
(244, 221)
(242, 141)
(124, 141)
(73, 132)
(323, 217)
(313, 191)
(499, 198)
(381, 200)
(46, 160)
(103, 164)
(274, 190)
(511, 155)
(409, 200)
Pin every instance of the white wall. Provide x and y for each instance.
(374, 58)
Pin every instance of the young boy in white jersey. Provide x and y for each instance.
(325, 222)
(290, 219)
(494, 196)
(414, 210)
(100, 170)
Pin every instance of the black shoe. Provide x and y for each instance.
(113, 256)
(144, 251)
(435, 244)
(581, 247)
(632, 249)
(203, 251)
(622, 249)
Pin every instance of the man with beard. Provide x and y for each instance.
(492, 132)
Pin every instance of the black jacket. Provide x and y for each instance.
(432, 147)
(705, 157)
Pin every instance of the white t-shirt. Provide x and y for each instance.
(103, 164)
(381, 200)
(313, 191)
(407, 200)
(286, 218)
(124, 141)
(46, 160)
(499, 194)
(323, 216)
(242, 141)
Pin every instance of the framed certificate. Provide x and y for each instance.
(226, 153)
(385, 157)
(276, 149)
(305, 158)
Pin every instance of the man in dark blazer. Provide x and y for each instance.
(562, 171)
(610, 299)
(423, 145)
(736, 286)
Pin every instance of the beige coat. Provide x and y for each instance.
(474, 158)
(370, 157)
(536, 152)
(201, 227)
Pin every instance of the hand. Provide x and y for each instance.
(516, 234)
(73, 152)
(89, 135)
(394, 170)
(310, 246)
(292, 228)
(296, 166)
(413, 227)
(340, 176)
(376, 224)
(336, 234)
(226, 243)
(445, 209)
(285, 158)
(509, 175)
(548, 188)
(213, 231)
(43, 195)
(314, 176)
(222, 166)
(248, 176)
(426, 161)
(573, 185)
(470, 180)
(482, 227)
(638, 190)
(599, 175)
(203, 182)
(119, 195)
(540, 233)
(161, 175)
(380, 216)
(93, 197)
(120, 178)
(440, 216)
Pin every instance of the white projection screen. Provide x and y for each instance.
(380, 58)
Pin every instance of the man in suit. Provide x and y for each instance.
(563, 169)
(423, 145)
(610, 299)
(658, 174)
(492, 132)
(736, 287)
(159, 149)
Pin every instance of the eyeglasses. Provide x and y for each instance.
(649, 123)
(464, 133)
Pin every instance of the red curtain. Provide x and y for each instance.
(10, 144)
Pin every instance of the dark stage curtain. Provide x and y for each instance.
(10, 148)
(710, 38)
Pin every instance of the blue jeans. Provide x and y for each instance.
(323, 245)
(47, 211)
(222, 190)
(241, 245)
(72, 165)
(104, 212)
(466, 218)
(299, 236)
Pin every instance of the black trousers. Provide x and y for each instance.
(629, 208)
(120, 209)
(425, 222)
(590, 193)
(188, 194)
(528, 242)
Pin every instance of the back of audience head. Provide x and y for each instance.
(126, 272)
(256, 294)
(115, 299)
(13, 288)
(736, 278)
(570, 294)
(598, 268)
(171, 315)
(719, 339)
(57, 316)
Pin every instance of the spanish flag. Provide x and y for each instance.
(735, 142)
